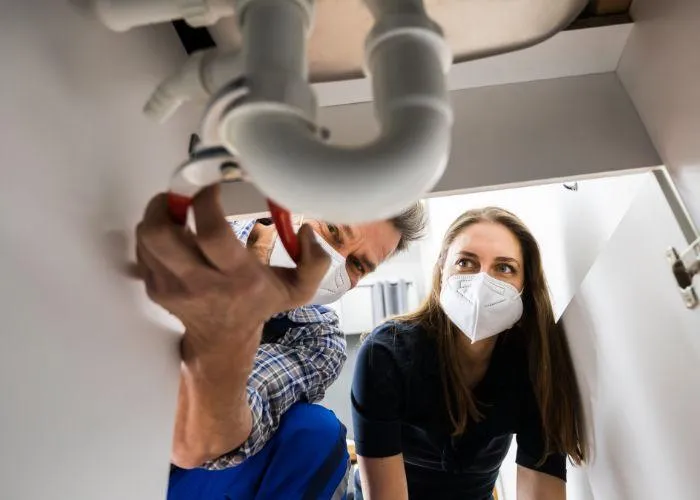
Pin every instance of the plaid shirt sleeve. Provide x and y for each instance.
(298, 367)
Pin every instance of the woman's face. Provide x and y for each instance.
(486, 247)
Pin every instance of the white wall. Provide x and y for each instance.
(87, 381)
(516, 134)
(660, 68)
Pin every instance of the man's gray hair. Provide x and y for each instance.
(411, 223)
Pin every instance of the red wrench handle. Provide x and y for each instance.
(283, 222)
(178, 206)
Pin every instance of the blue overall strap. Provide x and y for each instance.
(306, 459)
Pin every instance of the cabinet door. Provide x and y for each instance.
(636, 349)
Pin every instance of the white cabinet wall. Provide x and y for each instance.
(87, 381)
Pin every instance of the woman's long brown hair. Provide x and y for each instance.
(550, 366)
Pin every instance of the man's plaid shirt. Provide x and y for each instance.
(298, 367)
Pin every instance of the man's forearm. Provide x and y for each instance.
(213, 416)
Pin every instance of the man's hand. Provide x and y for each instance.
(209, 280)
(222, 294)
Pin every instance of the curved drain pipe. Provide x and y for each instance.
(274, 133)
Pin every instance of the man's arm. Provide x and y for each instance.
(213, 415)
(222, 295)
(300, 367)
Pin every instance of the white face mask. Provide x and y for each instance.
(479, 305)
(334, 284)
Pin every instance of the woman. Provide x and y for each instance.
(438, 393)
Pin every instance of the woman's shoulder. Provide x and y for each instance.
(398, 348)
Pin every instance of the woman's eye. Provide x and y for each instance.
(466, 264)
(505, 269)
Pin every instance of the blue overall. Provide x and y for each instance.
(306, 459)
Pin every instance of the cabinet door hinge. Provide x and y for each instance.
(685, 266)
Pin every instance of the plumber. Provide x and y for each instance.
(259, 347)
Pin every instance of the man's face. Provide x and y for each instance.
(364, 246)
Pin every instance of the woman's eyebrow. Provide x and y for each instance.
(509, 260)
(474, 256)
(464, 253)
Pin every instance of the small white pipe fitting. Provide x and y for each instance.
(202, 75)
(277, 141)
(122, 15)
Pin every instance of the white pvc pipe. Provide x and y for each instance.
(284, 156)
(345, 185)
(274, 52)
(202, 75)
(182, 86)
